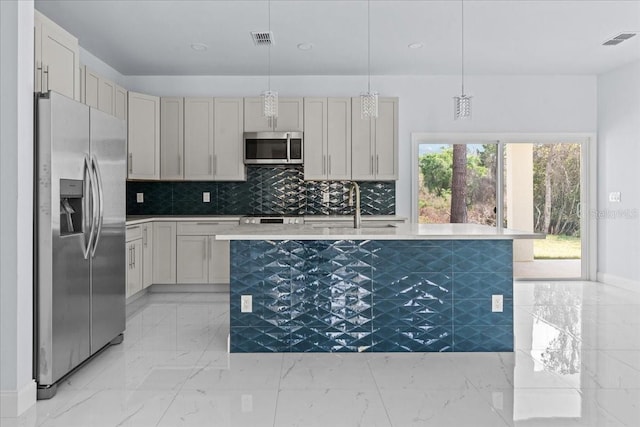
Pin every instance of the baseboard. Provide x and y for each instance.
(620, 282)
(192, 287)
(15, 403)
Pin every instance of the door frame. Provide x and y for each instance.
(588, 185)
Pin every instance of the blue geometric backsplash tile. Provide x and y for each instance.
(334, 296)
(275, 190)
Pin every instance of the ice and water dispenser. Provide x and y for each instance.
(71, 206)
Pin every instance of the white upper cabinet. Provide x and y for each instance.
(327, 138)
(143, 137)
(99, 92)
(56, 62)
(199, 160)
(228, 142)
(374, 151)
(171, 138)
(106, 96)
(315, 138)
(290, 115)
(91, 88)
(120, 104)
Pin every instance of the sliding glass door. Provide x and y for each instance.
(531, 186)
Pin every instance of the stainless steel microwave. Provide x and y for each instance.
(272, 148)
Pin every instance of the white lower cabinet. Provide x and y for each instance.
(193, 259)
(200, 257)
(135, 262)
(164, 252)
(147, 254)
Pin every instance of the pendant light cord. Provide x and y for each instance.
(269, 54)
(368, 46)
(462, 57)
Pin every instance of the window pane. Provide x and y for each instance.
(449, 193)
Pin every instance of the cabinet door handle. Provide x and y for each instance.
(371, 169)
(377, 163)
(210, 164)
(144, 237)
(130, 162)
(38, 78)
(275, 125)
(324, 164)
(133, 250)
(179, 164)
(45, 78)
(329, 164)
(215, 164)
(210, 247)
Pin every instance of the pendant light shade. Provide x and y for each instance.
(462, 103)
(270, 103)
(269, 97)
(462, 107)
(369, 105)
(369, 99)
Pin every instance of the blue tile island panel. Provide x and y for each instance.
(371, 295)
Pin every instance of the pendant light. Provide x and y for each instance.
(369, 100)
(269, 97)
(462, 103)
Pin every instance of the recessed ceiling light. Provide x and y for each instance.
(305, 46)
(416, 45)
(199, 47)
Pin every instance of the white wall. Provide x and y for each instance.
(500, 103)
(618, 170)
(17, 389)
(97, 65)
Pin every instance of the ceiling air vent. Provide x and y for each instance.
(262, 38)
(619, 39)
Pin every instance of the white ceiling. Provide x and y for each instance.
(501, 37)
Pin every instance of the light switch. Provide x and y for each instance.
(206, 197)
(140, 197)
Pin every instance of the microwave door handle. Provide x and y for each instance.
(288, 136)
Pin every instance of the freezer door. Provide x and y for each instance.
(62, 278)
(108, 283)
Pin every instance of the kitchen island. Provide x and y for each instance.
(409, 287)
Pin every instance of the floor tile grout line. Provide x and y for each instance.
(386, 411)
(275, 410)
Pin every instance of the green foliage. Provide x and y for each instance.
(436, 171)
(556, 168)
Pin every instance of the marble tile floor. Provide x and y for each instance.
(576, 363)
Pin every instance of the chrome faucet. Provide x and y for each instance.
(356, 211)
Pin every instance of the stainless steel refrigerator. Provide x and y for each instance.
(79, 236)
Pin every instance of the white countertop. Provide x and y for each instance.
(139, 219)
(373, 232)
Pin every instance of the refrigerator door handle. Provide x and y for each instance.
(100, 213)
(87, 172)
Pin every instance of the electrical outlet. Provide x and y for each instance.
(614, 196)
(246, 304)
(206, 197)
(140, 197)
(325, 197)
(496, 303)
